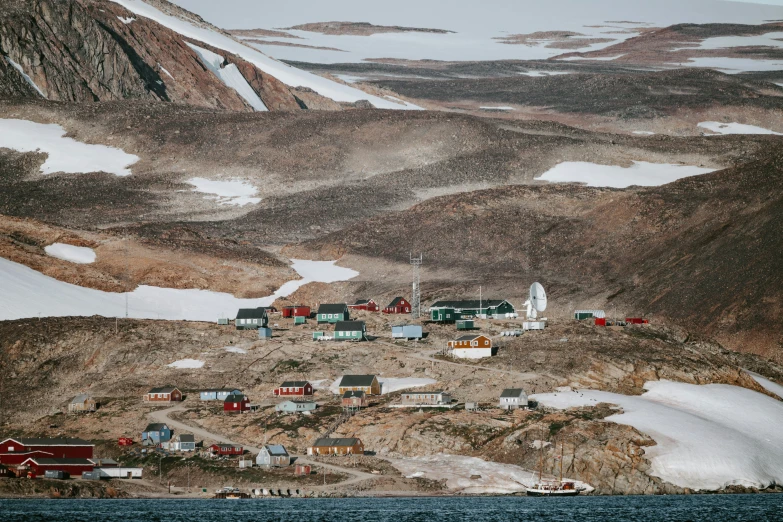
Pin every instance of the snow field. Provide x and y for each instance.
(734, 128)
(28, 293)
(290, 76)
(230, 76)
(63, 154)
(768, 385)
(641, 173)
(707, 437)
(185, 364)
(74, 254)
(233, 192)
(494, 478)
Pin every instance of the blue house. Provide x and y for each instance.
(155, 433)
(218, 394)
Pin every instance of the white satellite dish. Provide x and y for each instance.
(536, 302)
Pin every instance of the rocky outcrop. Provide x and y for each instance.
(12, 83)
(95, 50)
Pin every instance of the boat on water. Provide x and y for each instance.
(552, 488)
(230, 493)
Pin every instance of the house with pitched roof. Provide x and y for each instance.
(82, 403)
(339, 446)
(471, 346)
(293, 388)
(492, 308)
(367, 383)
(155, 433)
(354, 399)
(332, 313)
(251, 318)
(512, 399)
(273, 456)
(350, 331)
(399, 305)
(163, 394)
(368, 305)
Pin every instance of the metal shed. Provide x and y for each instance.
(407, 331)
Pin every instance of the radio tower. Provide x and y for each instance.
(416, 296)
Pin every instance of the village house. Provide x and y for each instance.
(296, 311)
(492, 308)
(183, 442)
(513, 398)
(163, 394)
(354, 399)
(82, 403)
(294, 406)
(332, 313)
(407, 331)
(293, 388)
(14, 451)
(471, 346)
(367, 383)
(399, 305)
(226, 449)
(328, 446)
(444, 315)
(368, 305)
(236, 403)
(37, 466)
(273, 456)
(350, 331)
(155, 433)
(218, 394)
(425, 398)
(251, 318)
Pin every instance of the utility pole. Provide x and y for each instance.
(160, 469)
(416, 295)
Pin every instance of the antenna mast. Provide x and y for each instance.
(416, 295)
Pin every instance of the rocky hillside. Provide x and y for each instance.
(96, 50)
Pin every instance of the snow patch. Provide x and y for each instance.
(230, 76)
(27, 78)
(163, 69)
(290, 76)
(644, 133)
(708, 437)
(457, 470)
(127, 20)
(64, 154)
(28, 293)
(733, 65)
(768, 385)
(235, 349)
(234, 192)
(595, 58)
(74, 254)
(186, 364)
(499, 108)
(537, 74)
(641, 173)
(734, 128)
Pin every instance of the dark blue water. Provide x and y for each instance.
(713, 508)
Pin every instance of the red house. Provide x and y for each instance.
(39, 466)
(15, 451)
(398, 306)
(226, 449)
(367, 305)
(163, 394)
(296, 311)
(293, 388)
(236, 403)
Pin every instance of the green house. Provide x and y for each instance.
(332, 313)
(350, 331)
(493, 308)
(444, 315)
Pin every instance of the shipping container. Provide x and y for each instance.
(636, 320)
(303, 469)
(300, 319)
(465, 324)
(600, 321)
(91, 475)
(55, 474)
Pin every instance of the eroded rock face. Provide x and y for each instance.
(94, 50)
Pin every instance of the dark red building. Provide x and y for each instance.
(398, 306)
(226, 449)
(367, 305)
(293, 389)
(296, 311)
(15, 451)
(236, 403)
(37, 467)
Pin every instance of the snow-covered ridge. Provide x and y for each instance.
(230, 76)
(28, 293)
(641, 173)
(290, 76)
(707, 437)
(64, 154)
(74, 254)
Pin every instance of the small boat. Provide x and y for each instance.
(552, 488)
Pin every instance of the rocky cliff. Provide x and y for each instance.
(95, 50)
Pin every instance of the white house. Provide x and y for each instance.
(273, 456)
(513, 398)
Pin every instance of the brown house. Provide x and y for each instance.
(349, 446)
(164, 394)
(367, 383)
(354, 399)
(471, 341)
(82, 403)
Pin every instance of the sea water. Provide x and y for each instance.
(672, 508)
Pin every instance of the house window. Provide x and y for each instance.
(255, 321)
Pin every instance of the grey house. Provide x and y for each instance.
(295, 406)
(273, 456)
(407, 331)
(513, 398)
(186, 443)
(251, 318)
